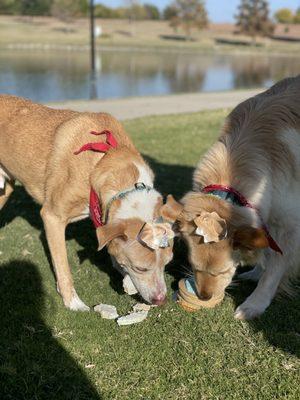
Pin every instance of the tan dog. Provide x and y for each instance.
(37, 146)
(249, 178)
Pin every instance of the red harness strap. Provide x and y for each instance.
(102, 147)
(245, 203)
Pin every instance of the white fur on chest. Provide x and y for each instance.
(140, 204)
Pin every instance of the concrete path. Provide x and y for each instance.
(135, 107)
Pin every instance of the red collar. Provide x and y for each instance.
(241, 200)
(102, 147)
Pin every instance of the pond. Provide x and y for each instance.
(62, 75)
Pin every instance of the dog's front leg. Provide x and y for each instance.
(260, 299)
(55, 233)
(252, 275)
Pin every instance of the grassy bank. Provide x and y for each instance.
(45, 33)
(48, 352)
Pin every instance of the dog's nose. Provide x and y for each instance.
(204, 296)
(159, 300)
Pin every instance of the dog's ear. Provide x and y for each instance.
(108, 232)
(171, 210)
(211, 226)
(127, 229)
(156, 235)
(250, 238)
(147, 236)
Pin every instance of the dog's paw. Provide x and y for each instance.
(248, 311)
(76, 304)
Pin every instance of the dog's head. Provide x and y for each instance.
(142, 249)
(219, 236)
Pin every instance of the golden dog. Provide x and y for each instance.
(244, 207)
(66, 170)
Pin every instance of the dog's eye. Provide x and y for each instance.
(217, 273)
(209, 273)
(140, 269)
(177, 226)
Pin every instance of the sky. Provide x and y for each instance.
(218, 10)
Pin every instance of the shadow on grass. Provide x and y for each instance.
(178, 38)
(20, 204)
(280, 324)
(33, 364)
(169, 178)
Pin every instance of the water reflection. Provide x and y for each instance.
(50, 76)
(251, 72)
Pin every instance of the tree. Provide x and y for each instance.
(8, 7)
(134, 10)
(102, 11)
(34, 7)
(66, 9)
(284, 16)
(152, 12)
(297, 17)
(253, 18)
(188, 14)
(169, 12)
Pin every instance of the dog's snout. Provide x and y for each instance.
(204, 296)
(159, 300)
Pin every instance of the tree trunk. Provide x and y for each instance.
(253, 40)
(188, 32)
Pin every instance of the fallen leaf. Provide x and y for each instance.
(26, 252)
(90, 365)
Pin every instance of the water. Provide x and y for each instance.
(54, 76)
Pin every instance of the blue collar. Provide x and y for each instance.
(138, 187)
(227, 196)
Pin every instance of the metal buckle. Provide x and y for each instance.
(140, 186)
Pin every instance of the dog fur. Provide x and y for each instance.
(37, 146)
(258, 154)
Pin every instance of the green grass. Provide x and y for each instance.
(44, 33)
(48, 352)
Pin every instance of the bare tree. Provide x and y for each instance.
(67, 9)
(188, 14)
(253, 18)
(134, 11)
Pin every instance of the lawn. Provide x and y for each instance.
(48, 352)
(46, 32)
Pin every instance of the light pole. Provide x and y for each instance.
(93, 83)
